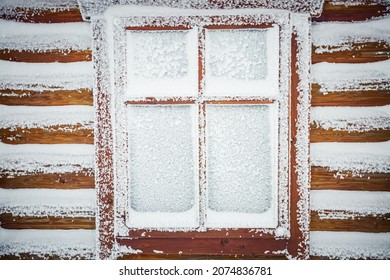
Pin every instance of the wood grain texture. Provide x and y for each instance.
(198, 257)
(350, 98)
(46, 97)
(83, 180)
(324, 179)
(318, 134)
(370, 223)
(42, 16)
(63, 56)
(8, 221)
(358, 53)
(61, 134)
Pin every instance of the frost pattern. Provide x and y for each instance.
(237, 54)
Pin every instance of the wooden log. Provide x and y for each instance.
(358, 53)
(8, 221)
(199, 257)
(349, 98)
(61, 134)
(46, 97)
(43, 16)
(46, 56)
(324, 179)
(370, 223)
(339, 12)
(318, 134)
(82, 180)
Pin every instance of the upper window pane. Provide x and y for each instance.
(162, 63)
(242, 62)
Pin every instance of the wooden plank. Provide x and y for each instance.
(370, 223)
(324, 179)
(349, 98)
(43, 16)
(318, 134)
(46, 97)
(199, 257)
(339, 12)
(46, 56)
(60, 134)
(82, 180)
(358, 53)
(8, 221)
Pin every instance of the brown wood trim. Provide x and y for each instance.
(46, 97)
(242, 101)
(324, 179)
(82, 180)
(9, 221)
(200, 257)
(202, 246)
(339, 12)
(318, 134)
(60, 134)
(46, 56)
(243, 26)
(359, 53)
(349, 98)
(370, 223)
(59, 15)
(158, 28)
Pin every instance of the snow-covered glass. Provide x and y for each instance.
(242, 62)
(161, 63)
(241, 165)
(162, 166)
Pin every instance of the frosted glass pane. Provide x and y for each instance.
(162, 163)
(240, 166)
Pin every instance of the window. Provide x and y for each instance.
(201, 154)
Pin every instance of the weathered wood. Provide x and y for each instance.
(199, 257)
(61, 134)
(349, 98)
(324, 179)
(339, 12)
(46, 97)
(318, 134)
(361, 224)
(8, 221)
(82, 180)
(43, 16)
(358, 53)
(46, 56)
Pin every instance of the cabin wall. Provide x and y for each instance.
(47, 185)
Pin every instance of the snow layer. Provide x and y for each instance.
(42, 37)
(350, 245)
(351, 118)
(47, 202)
(358, 157)
(339, 36)
(45, 116)
(51, 158)
(362, 202)
(45, 243)
(38, 4)
(39, 76)
(357, 76)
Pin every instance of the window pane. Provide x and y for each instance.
(163, 166)
(162, 63)
(241, 165)
(242, 62)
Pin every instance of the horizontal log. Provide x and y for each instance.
(339, 12)
(82, 180)
(324, 179)
(318, 134)
(43, 16)
(46, 56)
(358, 53)
(198, 257)
(46, 97)
(361, 223)
(349, 98)
(8, 221)
(61, 134)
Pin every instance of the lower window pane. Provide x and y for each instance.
(241, 165)
(163, 166)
